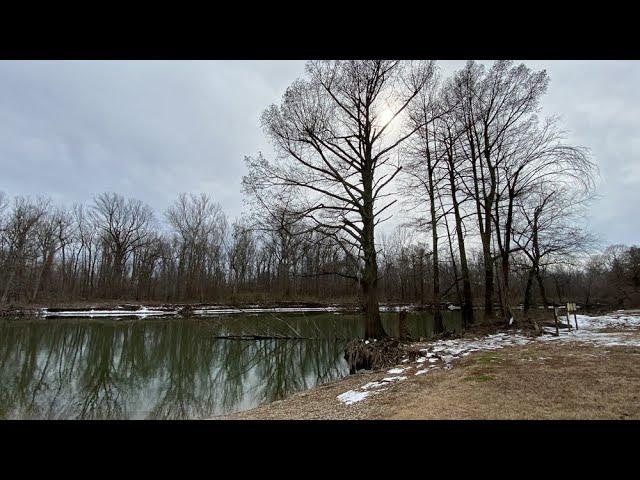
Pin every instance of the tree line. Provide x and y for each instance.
(117, 249)
(489, 198)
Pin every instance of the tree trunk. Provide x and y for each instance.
(372, 322)
(488, 273)
(467, 304)
(438, 326)
(369, 282)
(527, 290)
(42, 275)
(543, 293)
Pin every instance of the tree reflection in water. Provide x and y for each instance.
(168, 368)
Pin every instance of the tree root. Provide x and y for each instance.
(373, 354)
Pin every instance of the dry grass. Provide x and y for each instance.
(539, 381)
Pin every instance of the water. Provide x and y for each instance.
(172, 368)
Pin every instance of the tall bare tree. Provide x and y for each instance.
(335, 139)
(425, 156)
(534, 156)
(491, 103)
(124, 226)
(199, 223)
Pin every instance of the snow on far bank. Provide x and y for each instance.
(202, 311)
(226, 311)
(117, 312)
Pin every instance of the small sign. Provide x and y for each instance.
(571, 307)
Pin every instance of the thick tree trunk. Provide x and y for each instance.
(488, 273)
(543, 292)
(504, 246)
(467, 304)
(438, 326)
(42, 275)
(369, 284)
(484, 226)
(527, 290)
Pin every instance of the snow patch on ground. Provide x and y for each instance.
(396, 370)
(370, 385)
(393, 379)
(590, 331)
(351, 397)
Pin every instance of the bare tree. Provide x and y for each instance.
(198, 222)
(334, 135)
(240, 250)
(124, 226)
(533, 155)
(550, 231)
(425, 158)
(47, 240)
(454, 161)
(18, 234)
(490, 104)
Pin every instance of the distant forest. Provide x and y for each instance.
(113, 249)
(493, 201)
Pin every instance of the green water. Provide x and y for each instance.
(172, 368)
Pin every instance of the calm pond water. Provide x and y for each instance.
(174, 368)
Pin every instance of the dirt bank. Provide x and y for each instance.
(590, 374)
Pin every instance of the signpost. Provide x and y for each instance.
(571, 308)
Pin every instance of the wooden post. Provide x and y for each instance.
(568, 321)
(571, 308)
(555, 317)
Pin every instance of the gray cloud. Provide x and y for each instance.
(151, 129)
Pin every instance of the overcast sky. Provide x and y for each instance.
(152, 129)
